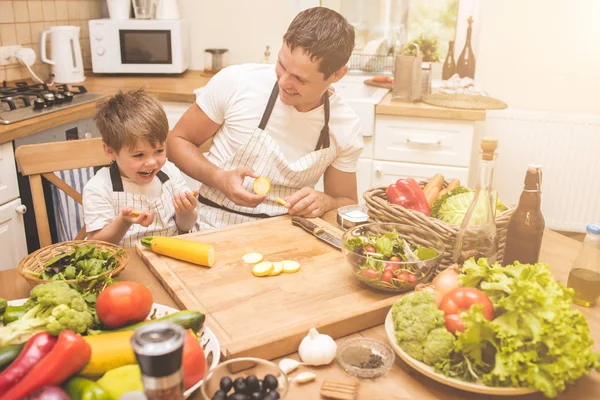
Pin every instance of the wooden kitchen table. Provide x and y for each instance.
(401, 382)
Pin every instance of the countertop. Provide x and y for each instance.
(401, 383)
(179, 88)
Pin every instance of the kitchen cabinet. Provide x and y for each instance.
(13, 243)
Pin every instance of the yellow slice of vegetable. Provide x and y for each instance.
(289, 266)
(277, 268)
(252, 258)
(262, 269)
(280, 201)
(261, 185)
(135, 213)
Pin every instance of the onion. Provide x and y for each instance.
(445, 281)
(48, 393)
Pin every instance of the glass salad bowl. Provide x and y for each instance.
(392, 257)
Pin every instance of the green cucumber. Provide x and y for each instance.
(8, 354)
(187, 319)
(13, 313)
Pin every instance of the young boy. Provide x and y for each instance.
(140, 193)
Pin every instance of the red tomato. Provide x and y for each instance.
(123, 303)
(407, 277)
(391, 267)
(395, 259)
(370, 273)
(387, 277)
(370, 249)
(194, 360)
(412, 279)
(461, 299)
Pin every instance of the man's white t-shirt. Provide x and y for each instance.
(236, 97)
(98, 210)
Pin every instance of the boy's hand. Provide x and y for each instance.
(143, 218)
(185, 202)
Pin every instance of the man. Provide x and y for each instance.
(284, 123)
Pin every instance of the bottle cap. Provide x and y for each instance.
(488, 147)
(594, 229)
(533, 177)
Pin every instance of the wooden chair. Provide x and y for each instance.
(42, 160)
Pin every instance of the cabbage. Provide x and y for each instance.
(453, 207)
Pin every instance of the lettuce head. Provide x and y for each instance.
(452, 207)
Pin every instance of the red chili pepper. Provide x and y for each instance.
(408, 194)
(34, 351)
(70, 354)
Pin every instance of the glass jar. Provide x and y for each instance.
(584, 276)
(215, 60)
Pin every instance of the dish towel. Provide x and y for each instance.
(69, 213)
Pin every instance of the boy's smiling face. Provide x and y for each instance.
(141, 162)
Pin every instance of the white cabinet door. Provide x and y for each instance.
(363, 177)
(386, 172)
(9, 187)
(13, 244)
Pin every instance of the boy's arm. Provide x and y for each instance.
(186, 220)
(113, 232)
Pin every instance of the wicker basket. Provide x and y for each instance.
(35, 261)
(381, 210)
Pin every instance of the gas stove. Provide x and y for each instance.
(21, 100)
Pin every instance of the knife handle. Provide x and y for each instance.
(308, 226)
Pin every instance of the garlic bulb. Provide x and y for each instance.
(288, 365)
(317, 349)
(304, 377)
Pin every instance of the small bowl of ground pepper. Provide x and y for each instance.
(365, 357)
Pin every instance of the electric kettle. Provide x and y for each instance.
(67, 62)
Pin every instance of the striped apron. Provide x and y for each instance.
(263, 155)
(164, 211)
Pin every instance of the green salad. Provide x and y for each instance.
(80, 263)
(389, 261)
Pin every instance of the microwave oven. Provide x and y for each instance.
(133, 46)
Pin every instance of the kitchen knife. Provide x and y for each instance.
(318, 231)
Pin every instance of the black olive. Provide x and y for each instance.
(226, 384)
(240, 379)
(252, 383)
(219, 395)
(238, 396)
(273, 395)
(257, 396)
(270, 382)
(240, 386)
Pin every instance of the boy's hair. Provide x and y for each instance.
(324, 35)
(128, 117)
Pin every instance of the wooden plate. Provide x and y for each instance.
(208, 340)
(455, 383)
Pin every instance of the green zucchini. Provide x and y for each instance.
(187, 319)
(13, 313)
(8, 354)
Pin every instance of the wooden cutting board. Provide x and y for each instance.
(267, 317)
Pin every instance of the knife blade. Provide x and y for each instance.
(318, 231)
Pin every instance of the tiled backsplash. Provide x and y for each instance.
(21, 22)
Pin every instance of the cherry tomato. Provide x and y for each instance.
(370, 273)
(387, 277)
(391, 267)
(460, 300)
(395, 259)
(412, 278)
(370, 249)
(123, 303)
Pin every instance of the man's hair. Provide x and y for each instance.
(128, 117)
(324, 35)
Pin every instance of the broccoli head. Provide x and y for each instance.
(438, 346)
(53, 308)
(413, 348)
(415, 322)
(3, 305)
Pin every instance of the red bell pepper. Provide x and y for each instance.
(70, 354)
(34, 351)
(408, 194)
(194, 361)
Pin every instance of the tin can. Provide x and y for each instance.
(158, 348)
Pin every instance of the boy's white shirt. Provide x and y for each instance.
(98, 210)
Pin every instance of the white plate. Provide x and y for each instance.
(207, 338)
(456, 383)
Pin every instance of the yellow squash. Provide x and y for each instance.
(109, 351)
(185, 250)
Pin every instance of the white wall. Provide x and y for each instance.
(245, 27)
(541, 54)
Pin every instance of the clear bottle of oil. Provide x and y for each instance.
(584, 277)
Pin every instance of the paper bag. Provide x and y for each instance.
(407, 77)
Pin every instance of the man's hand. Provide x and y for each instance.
(143, 218)
(231, 186)
(309, 203)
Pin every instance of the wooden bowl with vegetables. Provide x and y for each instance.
(392, 257)
(73, 261)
